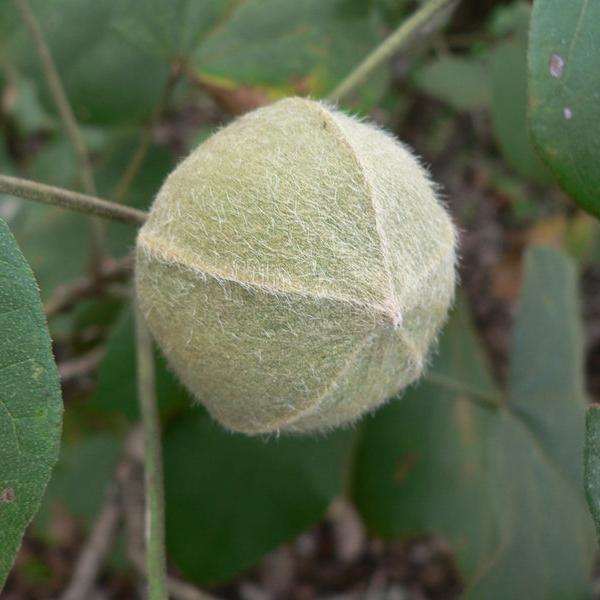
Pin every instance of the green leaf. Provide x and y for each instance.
(80, 479)
(30, 400)
(564, 100)
(116, 391)
(438, 78)
(507, 66)
(592, 463)
(546, 387)
(496, 481)
(106, 77)
(230, 499)
(308, 45)
(172, 29)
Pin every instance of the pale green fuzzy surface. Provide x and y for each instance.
(295, 269)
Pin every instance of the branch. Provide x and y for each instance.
(67, 295)
(81, 365)
(153, 476)
(31, 190)
(394, 42)
(97, 547)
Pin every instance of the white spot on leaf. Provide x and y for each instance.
(7, 495)
(556, 65)
(567, 113)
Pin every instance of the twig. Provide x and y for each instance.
(137, 160)
(96, 548)
(405, 32)
(67, 295)
(153, 477)
(66, 114)
(31, 190)
(82, 365)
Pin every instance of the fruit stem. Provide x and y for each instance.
(31, 190)
(394, 42)
(156, 568)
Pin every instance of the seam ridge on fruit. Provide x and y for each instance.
(177, 257)
(313, 407)
(329, 113)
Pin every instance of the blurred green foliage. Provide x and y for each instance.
(502, 483)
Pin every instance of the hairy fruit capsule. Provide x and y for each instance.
(295, 269)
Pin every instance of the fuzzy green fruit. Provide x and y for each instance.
(295, 269)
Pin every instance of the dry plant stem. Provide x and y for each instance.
(82, 365)
(67, 295)
(137, 160)
(96, 549)
(394, 42)
(31, 190)
(66, 114)
(153, 478)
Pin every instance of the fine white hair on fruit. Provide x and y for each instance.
(295, 269)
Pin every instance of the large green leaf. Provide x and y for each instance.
(30, 400)
(307, 45)
(497, 480)
(546, 387)
(107, 78)
(564, 101)
(230, 499)
(170, 29)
